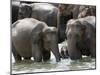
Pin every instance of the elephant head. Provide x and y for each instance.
(80, 35)
(87, 11)
(50, 40)
(64, 52)
(73, 35)
(25, 11)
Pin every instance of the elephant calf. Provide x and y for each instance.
(81, 37)
(33, 38)
(64, 52)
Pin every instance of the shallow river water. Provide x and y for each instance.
(26, 66)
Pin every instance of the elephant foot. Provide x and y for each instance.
(93, 55)
(38, 57)
(46, 55)
(58, 60)
(18, 58)
(64, 55)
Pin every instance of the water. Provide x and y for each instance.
(27, 66)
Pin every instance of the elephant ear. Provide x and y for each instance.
(49, 29)
(81, 25)
(25, 11)
(89, 27)
(62, 7)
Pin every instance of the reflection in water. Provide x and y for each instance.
(27, 66)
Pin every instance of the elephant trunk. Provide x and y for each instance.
(73, 52)
(55, 51)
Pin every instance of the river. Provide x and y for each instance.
(30, 66)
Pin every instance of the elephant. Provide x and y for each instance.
(41, 11)
(87, 11)
(71, 11)
(66, 12)
(15, 8)
(49, 13)
(81, 37)
(64, 52)
(34, 38)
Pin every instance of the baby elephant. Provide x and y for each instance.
(64, 52)
(81, 37)
(33, 38)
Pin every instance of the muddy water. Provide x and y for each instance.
(26, 66)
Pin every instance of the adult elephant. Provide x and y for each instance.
(41, 11)
(15, 9)
(65, 14)
(33, 38)
(81, 37)
(48, 13)
(64, 52)
(71, 11)
(87, 11)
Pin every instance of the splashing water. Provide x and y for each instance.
(29, 66)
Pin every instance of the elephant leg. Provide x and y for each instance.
(37, 54)
(27, 58)
(67, 55)
(62, 54)
(93, 53)
(15, 54)
(93, 49)
(46, 55)
(85, 52)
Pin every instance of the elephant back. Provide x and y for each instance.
(45, 12)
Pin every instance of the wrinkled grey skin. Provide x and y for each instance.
(41, 11)
(64, 52)
(33, 38)
(81, 37)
